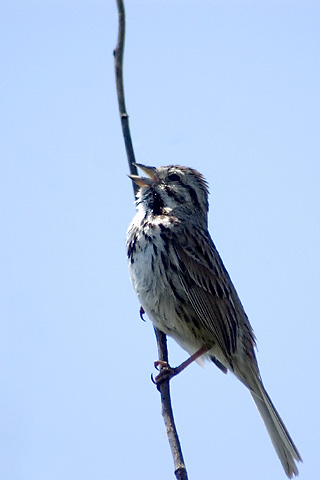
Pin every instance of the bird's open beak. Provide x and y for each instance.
(144, 181)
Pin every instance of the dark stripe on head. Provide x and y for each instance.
(193, 196)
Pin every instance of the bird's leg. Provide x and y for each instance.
(168, 372)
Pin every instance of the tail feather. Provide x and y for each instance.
(279, 435)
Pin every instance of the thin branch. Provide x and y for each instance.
(167, 413)
(164, 387)
(124, 117)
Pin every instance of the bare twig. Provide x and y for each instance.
(118, 65)
(167, 413)
(164, 387)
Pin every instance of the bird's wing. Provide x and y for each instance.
(210, 290)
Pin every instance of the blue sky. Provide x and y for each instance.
(230, 88)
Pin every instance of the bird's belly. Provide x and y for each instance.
(157, 288)
(150, 281)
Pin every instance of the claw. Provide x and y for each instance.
(142, 312)
(166, 372)
(161, 363)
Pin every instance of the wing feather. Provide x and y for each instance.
(210, 290)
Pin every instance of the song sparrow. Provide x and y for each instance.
(186, 291)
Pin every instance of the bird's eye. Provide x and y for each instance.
(173, 177)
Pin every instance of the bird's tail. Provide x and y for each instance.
(279, 435)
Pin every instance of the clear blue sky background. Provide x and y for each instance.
(230, 88)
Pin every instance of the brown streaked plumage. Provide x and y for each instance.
(186, 291)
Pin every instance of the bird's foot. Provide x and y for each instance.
(166, 372)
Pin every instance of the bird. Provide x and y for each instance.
(186, 291)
